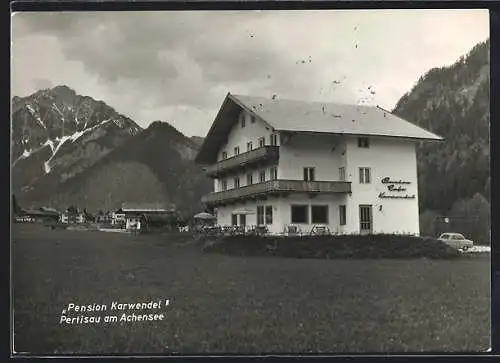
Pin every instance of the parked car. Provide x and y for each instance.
(456, 240)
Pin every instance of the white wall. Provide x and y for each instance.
(239, 136)
(243, 178)
(331, 200)
(324, 152)
(282, 211)
(387, 158)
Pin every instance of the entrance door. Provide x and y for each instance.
(243, 220)
(234, 219)
(365, 219)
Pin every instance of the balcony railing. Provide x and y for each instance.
(269, 154)
(276, 187)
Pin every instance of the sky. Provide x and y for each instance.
(177, 66)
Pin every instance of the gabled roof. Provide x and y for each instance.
(308, 117)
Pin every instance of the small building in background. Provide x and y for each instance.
(40, 215)
(118, 218)
(72, 215)
(103, 217)
(148, 215)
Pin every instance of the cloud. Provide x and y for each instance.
(179, 65)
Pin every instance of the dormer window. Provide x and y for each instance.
(242, 120)
(363, 142)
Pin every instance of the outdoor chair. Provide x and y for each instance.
(292, 230)
(320, 231)
(261, 230)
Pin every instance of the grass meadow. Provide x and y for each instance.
(249, 305)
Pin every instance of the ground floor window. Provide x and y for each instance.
(342, 215)
(299, 214)
(269, 214)
(260, 215)
(319, 214)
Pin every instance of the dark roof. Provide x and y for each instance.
(301, 116)
(148, 207)
(40, 213)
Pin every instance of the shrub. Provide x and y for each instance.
(344, 246)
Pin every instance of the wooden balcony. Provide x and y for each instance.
(262, 155)
(276, 187)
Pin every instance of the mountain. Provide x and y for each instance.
(157, 165)
(56, 134)
(198, 140)
(68, 149)
(454, 102)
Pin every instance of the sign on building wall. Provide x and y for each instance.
(396, 189)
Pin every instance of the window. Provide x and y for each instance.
(365, 218)
(234, 219)
(224, 184)
(252, 119)
(342, 174)
(342, 215)
(262, 176)
(260, 215)
(249, 179)
(309, 174)
(363, 142)
(262, 141)
(237, 182)
(273, 173)
(242, 120)
(299, 214)
(319, 214)
(249, 146)
(273, 139)
(269, 214)
(364, 175)
(236, 150)
(224, 155)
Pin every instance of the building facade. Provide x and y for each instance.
(72, 216)
(137, 216)
(283, 163)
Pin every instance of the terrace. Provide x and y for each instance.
(276, 187)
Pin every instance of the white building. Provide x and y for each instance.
(286, 163)
(72, 217)
(133, 223)
(135, 214)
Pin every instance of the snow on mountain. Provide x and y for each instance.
(57, 133)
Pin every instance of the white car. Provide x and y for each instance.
(456, 240)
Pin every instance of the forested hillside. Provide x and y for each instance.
(454, 175)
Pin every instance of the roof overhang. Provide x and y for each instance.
(401, 137)
(219, 131)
